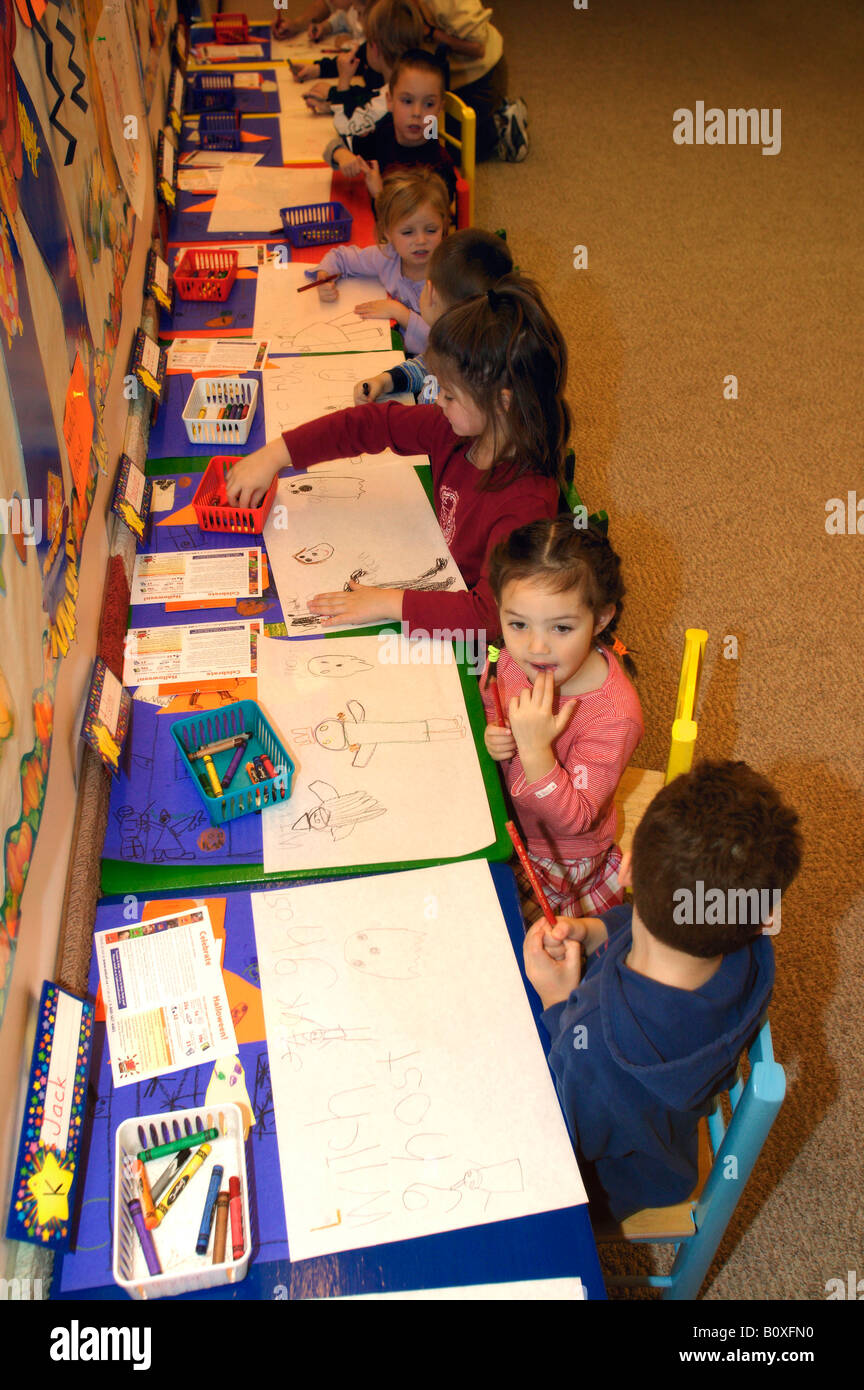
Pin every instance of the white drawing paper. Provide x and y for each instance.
(519, 1291)
(297, 323)
(303, 134)
(299, 389)
(249, 198)
(411, 1092)
(386, 769)
(375, 527)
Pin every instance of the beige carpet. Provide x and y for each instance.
(704, 262)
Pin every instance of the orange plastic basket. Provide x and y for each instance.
(211, 509)
(230, 28)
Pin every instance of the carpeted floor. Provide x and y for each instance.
(706, 262)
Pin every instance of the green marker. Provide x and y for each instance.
(188, 1141)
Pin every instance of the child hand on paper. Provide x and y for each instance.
(554, 980)
(360, 603)
(374, 386)
(306, 72)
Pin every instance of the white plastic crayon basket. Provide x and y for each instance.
(175, 1238)
(213, 394)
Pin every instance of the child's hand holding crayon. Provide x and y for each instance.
(500, 743)
(374, 386)
(328, 289)
(250, 477)
(588, 931)
(553, 979)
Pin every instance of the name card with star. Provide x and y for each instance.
(43, 1193)
(106, 717)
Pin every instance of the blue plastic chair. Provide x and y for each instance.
(696, 1227)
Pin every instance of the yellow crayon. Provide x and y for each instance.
(182, 1182)
(210, 768)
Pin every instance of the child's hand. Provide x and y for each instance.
(360, 604)
(351, 165)
(318, 106)
(554, 980)
(374, 181)
(284, 28)
(250, 477)
(535, 726)
(328, 293)
(319, 91)
(378, 309)
(317, 32)
(347, 64)
(588, 931)
(367, 391)
(500, 743)
(306, 72)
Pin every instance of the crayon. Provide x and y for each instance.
(233, 766)
(210, 767)
(253, 773)
(221, 1228)
(219, 746)
(209, 1210)
(263, 774)
(185, 1141)
(492, 684)
(313, 284)
(152, 1259)
(236, 1207)
(169, 1172)
(529, 870)
(268, 766)
(176, 1188)
(148, 1205)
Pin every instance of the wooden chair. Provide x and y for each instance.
(696, 1227)
(639, 786)
(463, 148)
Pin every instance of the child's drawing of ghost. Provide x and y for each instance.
(314, 554)
(494, 1179)
(346, 665)
(361, 736)
(325, 486)
(337, 815)
(391, 953)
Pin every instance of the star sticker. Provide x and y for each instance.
(108, 746)
(50, 1187)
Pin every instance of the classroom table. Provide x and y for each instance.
(550, 1245)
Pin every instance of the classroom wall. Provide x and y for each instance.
(76, 217)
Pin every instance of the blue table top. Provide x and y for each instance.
(550, 1245)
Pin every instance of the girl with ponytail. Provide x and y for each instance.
(572, 717)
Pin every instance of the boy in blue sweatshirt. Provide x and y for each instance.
(675, 985)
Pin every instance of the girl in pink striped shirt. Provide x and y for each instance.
(572, 717)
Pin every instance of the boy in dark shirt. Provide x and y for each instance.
(675, 986)
(408, 133)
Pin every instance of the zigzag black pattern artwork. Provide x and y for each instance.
(67, 34)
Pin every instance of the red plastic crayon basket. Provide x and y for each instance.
(316, 223)
(211, 91)
(220, 130)
(231, 28)
(212, 511)
(203, 274)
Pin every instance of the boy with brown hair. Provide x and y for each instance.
(676, 985)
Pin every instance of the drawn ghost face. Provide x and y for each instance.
(325, 487)
(319, 819)
(331, 734)
(337, 666)
(392, 953)
(314, 554)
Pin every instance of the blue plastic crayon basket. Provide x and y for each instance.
(316, 223)
(220, 130)
(211, 91)
(242, 796)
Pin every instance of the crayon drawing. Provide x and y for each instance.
(383, 1133)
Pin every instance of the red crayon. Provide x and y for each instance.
(529, 870)
(235, 1206)
(313, 284)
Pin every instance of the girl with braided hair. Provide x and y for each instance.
(572, 716)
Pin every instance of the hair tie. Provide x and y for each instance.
(618, 648)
